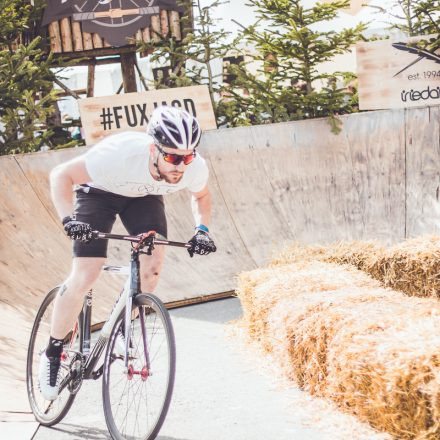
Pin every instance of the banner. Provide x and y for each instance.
(114, 20)
(396, 74)
(131, 111)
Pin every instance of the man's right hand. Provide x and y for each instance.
(77, 230)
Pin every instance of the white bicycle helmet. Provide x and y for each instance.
(174, 128)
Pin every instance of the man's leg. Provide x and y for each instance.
(69, 301)
(67, 306)
(151, 266)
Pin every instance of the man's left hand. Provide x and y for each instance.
(201, 244)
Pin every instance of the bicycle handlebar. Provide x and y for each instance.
(137, 239)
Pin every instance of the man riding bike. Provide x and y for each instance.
(125, 174)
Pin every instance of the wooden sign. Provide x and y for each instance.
(395, 74)
(131, 111)
(112, 20)
(355, 5)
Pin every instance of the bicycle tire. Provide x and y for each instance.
(31, 362)
(140, 302)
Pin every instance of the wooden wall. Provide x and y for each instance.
(271, 184)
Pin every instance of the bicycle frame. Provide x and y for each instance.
(130, 290)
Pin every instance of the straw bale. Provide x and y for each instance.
(332, 329)
(412, 267)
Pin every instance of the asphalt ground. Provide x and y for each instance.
(224, 390)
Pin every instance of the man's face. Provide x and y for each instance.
(171, 173)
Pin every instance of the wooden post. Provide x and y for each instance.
(55, 37)
(66, 34)
(88, 42)
(91, 79)
(128, 62)
(155, 28)
(146, 35)
(77, 36)
(164, 23)
(97, 41)
(175, 25)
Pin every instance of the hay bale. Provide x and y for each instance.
(338, 334)
(254, 287)
(412, 267)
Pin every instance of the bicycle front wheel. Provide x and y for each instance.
(47, 412)
(136, 400)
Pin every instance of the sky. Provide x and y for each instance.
(237, 10)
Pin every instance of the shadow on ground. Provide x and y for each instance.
(220, 311)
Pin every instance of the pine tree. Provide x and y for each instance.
(415, 18)
(289, 85)
(27, 97)
(190, 60)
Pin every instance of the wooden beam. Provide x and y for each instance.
(128, 62)
(105, 51)
(66, 89)
(91, 80)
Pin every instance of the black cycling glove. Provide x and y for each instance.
(201, 244)
(77, 230)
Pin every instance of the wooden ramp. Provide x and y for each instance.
(271, 184)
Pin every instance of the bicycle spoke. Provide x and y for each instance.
(136, 401)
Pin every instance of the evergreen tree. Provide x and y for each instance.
(415, 18)
(289, 85)
(27, 97)
(190, 60)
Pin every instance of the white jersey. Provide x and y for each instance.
(120, 164)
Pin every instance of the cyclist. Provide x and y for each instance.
(125, 174)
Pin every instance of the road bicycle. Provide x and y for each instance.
(139, 351)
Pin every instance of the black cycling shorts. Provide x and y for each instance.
(99, 208)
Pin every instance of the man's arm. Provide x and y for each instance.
(62, 179)
(201, 207)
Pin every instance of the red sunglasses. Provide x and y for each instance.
(176, 159)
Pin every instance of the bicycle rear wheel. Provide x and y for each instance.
(46, 412)
(136, 401)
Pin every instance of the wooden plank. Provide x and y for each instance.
(55, 37)
(87, 40)
(155, 28)
(105, 43)
(77, 36)
(394, 77)
(174, 19)
(423, 172)
(66, 34)
(97, 41)
(195, 99)
(164, 26)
